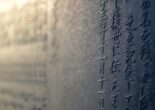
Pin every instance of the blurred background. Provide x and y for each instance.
(47, 54)
(23, 43)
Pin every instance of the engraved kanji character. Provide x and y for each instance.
(129, 97)
(102, 68)
(129, 54)
(115, 49)
(114, 100)
(101, 102)
(116, 36)
(116, 66)
(146, 4)
(114, 84)
(146, 50)
(130, 76)
(130, 38)
(116, 20)
(144, 104)
(145, 35)
(130, 20)
(102, 80)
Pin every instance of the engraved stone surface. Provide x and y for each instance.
(77, 55)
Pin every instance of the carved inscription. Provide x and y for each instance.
(130, 61)
(116, 64)
(103, 28)
(145, 55)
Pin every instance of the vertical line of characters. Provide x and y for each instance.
(103, 29)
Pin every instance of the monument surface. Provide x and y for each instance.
(77, 55)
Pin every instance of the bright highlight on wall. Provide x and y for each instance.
(6, 5)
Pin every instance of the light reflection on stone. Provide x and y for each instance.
(23, 55)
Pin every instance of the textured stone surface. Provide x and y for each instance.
(73, 64)
(78, 55)
(78, 32)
